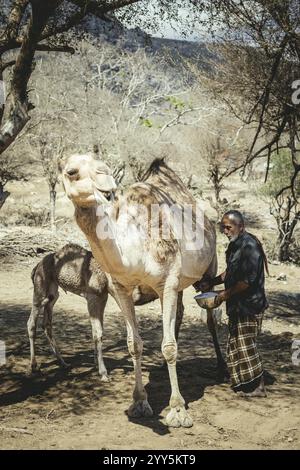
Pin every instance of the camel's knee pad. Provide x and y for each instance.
(169, 351)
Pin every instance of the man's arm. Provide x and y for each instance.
(239, 287)
(219, 279)
(206, 283)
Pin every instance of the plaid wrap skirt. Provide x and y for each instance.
(243, 360)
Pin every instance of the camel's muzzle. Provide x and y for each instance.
(104, 196)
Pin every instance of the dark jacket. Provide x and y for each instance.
(245, 262)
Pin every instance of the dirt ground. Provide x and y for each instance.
(75, 410)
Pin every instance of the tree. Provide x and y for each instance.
(225, 148)
(258, 57)
(283, 206)
(10, 170)
(260, 41)
(51, 152)
(27, 26)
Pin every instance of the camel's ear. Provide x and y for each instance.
(105, 182)
(103, 178)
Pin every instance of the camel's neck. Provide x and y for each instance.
(99, 227)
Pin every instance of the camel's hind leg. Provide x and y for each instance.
(221, 364)
(96, 306)
(179, 315)
(178, 416)
(211, 324)
(140, 406)
(47, 325)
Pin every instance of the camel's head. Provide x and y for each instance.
(87, 181)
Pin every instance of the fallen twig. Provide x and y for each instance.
(20, 430)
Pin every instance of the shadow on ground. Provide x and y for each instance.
(79, 389)
(284, 307)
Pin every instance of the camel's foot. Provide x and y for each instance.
(140, 408)
(33, 370)
(65, 365)
(178, 417)
(104, 378)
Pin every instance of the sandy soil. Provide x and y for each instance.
(75, 410)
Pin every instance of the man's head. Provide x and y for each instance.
(232, 224)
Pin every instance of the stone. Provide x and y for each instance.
(281, 277)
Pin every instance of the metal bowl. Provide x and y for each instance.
(206, 299)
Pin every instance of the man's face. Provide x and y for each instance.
(231, 228)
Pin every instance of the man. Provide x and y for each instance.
(245, 299)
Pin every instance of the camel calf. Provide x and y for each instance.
(74, 270)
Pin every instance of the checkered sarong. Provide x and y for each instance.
(243, 360)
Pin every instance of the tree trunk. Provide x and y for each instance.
(283, 251)
(16, 108)
(52, 209)
(285, 240)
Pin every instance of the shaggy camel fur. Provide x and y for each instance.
(129, 242)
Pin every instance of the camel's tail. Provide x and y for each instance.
(33, 272)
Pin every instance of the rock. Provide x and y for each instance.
(281, 277)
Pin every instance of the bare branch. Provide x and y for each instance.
(13, 24)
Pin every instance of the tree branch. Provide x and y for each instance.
(6, 65)
(13, 24)
(99, 8)
(58, 48)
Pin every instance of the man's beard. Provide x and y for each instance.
(234, 237)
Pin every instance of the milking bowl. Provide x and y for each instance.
(206, 299)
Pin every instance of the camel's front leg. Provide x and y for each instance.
(178, 416)
(140, 406)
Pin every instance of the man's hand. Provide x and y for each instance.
(204, 285)
(220, 298)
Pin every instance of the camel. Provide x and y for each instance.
(74, 269)
(128, 240)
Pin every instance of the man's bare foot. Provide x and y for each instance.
(258, 392)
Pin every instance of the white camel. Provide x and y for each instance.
(135, 250)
